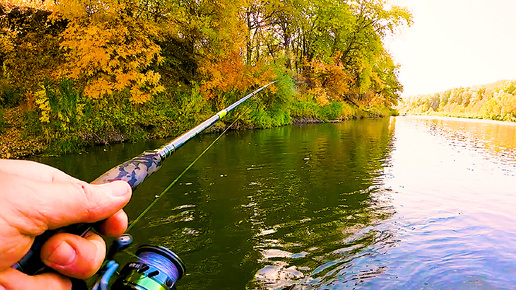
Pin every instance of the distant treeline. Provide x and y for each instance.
(82, 68)
(496, 101)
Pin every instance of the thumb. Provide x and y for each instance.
(78, 202)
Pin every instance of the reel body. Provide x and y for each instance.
(157, 268)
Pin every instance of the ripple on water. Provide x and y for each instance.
(406, 203)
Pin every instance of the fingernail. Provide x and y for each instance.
(118, 188)
(63, 255)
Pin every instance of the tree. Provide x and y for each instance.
(30, 46)
(108, 51)
(111, 46)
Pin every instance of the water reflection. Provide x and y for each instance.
(492, 137)
(318, 211)
(406, 203)
(286, 207)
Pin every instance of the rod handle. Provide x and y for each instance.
(133, 171)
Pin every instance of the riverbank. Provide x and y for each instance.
(18, 138)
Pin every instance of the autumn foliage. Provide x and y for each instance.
(109, 47)
(109, 56)
(231, 74)
(84, 70)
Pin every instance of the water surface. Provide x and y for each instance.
(400, 203)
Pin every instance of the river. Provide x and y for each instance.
(400, 203)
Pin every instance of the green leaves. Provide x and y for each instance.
(314, 35)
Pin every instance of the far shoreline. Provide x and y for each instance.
(463, 118)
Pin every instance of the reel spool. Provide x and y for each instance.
(157, 268)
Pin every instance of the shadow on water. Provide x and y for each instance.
(289, 207)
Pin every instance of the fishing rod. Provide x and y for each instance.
(134, 172)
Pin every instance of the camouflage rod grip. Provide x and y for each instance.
(133, 171)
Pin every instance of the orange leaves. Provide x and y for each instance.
(41, 5)
(330, 81)
(231, 74)
(97, 88)
(224, 75)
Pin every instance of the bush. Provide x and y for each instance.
(3, 123)
(308, 109)
(261, 119)
(9, 97)
(332, 111)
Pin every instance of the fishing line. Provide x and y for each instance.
(179, 176)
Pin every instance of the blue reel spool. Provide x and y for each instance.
(157, 268)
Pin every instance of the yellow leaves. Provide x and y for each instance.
(492, 101)
(376, 100)
(147, 85)
(98, 88)
(124, 80)
(138, 97)
(27, 45)
(43, 105)
(320, 96)
(151, 81)
(6, 47)
(40, 5)
(59, 105)
(6, 42)
(113, 64)
(502, 106)
(111, 55)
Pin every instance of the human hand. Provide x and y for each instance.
(35, 198)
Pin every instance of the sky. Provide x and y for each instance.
(455, 43)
